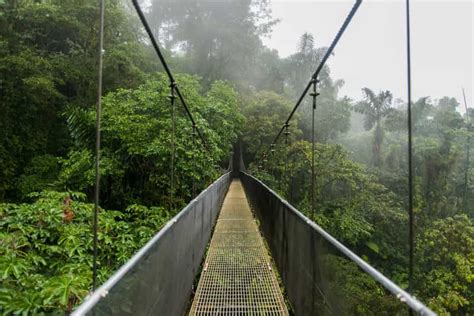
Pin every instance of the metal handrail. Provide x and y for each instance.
(401, 294)
(104, 289)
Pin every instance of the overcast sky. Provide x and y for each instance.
(372, 52)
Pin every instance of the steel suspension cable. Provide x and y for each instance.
(313, 94)
(411, 234)
(172, 98)
(175, 93)
(321, 65)
(97, 143)
(167, 70)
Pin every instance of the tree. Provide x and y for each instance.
(220, 40)
(332, 113)
(46, 250)
(375, 108)
(444, 274)
(268, 73)
(301, 65)
(48, 64)
(265, 112)
(332, 116)
(136, 143)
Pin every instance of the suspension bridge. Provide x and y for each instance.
(238, 248)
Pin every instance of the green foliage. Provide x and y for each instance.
(375, 108)
(219, 40)
(223, 116)
(48, 52)
(265, 112)
(358, 293)
(446, 269)
(77, 171)
(46, 249)
(47, 64)
(333, 113)
(137, 142)
(39, 175)
(362, 207)
(48, 61)
(349, 202)
(300, 66)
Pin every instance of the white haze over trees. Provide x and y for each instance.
(372, 53)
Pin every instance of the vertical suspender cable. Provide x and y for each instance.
(314, 94)
(172, 98)
(287, 134)
(272, 160)
(97, 142)
(411, 233)
(468, 152)
(194, 159)
(279, 172)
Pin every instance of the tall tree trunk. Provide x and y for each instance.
(376, 149)
(466, 171)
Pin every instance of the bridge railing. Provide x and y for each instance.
(158, 279)
(321, 276)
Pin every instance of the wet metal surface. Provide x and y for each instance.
(237, 278)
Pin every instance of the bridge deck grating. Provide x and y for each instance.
(237, 278)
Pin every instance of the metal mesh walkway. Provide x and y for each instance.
(237, 278)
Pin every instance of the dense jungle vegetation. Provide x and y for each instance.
(236, 87)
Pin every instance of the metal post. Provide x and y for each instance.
(97, 144)
(172, 98)
(313, 94)
(287, 134)
(265, 160)
(468, 153)
(411, 234)
(272, 159)
(194, 160)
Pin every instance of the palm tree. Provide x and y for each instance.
(306, 44)
(375, 108)
(303, 61)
